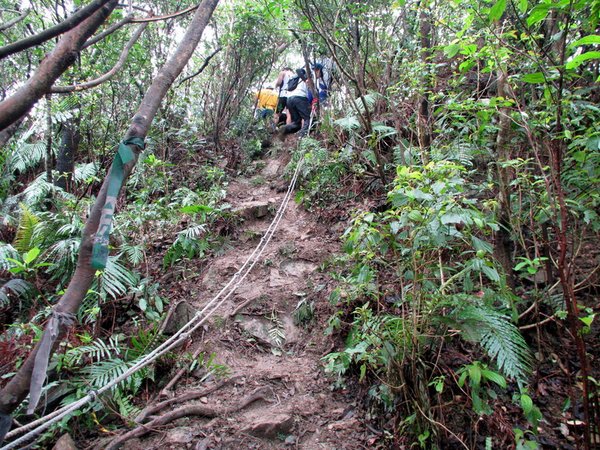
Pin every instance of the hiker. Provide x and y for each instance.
(282, 83)
(320, 84)
(298, 106)
(266, 102)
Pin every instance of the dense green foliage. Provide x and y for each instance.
(461, 141)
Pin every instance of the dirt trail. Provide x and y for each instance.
(262, 346)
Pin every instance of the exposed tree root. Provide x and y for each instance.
(153, 409)
(184, 411)
(239, 308)
(165, 391)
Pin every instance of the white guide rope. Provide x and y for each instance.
(39, 425)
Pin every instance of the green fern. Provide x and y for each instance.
(18, 287)
(38, 190)
(24, 239)
(85, 172)
(116, 279)
(499, 337)
(124, 405)
(26, 156)
(97, 350)
(7, 251)
(134, 253)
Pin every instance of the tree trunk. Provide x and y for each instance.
(65, 160)
(503, 244)
(16, 390)
(423, 114)
(52, 67)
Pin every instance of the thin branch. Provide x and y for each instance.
(52, 67)
(15, 21)
(108, 75)
(202, 67)
(109, 30)
(167, 16)
(66, 25)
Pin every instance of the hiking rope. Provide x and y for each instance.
(39, 425)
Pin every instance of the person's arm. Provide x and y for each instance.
(279, 81)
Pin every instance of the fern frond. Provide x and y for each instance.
(348, 123)
(193, 232)
(65, 249)
(499, 337)
(184, 196)
(104, 372)
(8, 210)
(16, 286)
(24, 239)
(116, 279)
(84, 172)
(126, 408)
(134, 253)
(370, 100)
(26, 156)
(97, 350)
(38, 190)
(7, 251)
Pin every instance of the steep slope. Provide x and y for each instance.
(267, 338)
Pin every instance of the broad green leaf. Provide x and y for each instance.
(497, 10)
(587, 40)
(538, 14)
(479, 244)
(494, 377)
(579, 59)
(475, 375)
(466, 65)
(491, 273)
(593, 143)
(468, 49)
(31, 255)
(451, 218)
(192, 209)
(537, 77)
(451, 50)
(415, 215)
(526, 403)
(523, 5)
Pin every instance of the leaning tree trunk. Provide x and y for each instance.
(52, 67)
(16, 390)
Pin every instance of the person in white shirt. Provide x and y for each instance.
(298, 107)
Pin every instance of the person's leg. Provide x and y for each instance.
(281, 104)
(304, 112)
(296, 119)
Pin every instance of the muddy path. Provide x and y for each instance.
(269, 390)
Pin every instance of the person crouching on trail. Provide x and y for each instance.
(266, 102)
(298, 106)
(282, 84)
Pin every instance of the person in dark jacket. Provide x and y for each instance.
(298, 107)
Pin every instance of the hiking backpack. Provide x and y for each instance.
(293, 83)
